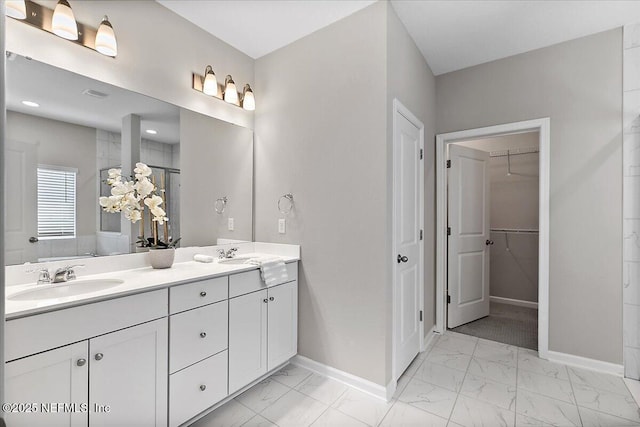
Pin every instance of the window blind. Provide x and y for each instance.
(56, 203)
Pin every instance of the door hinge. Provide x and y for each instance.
(448, 231)
(448, 299)
(448, 164)
(420, 234)
(421, 153)
(421, 315)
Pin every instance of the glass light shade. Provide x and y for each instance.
(210, 85)
(106, 42)
(63, 23)
(16, 9)
(230, 92)
(248, 100)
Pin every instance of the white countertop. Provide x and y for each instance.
(135, 281)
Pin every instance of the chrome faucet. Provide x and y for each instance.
(65, 274)
(44, 276)
(228, 254)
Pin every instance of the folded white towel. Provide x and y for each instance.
(202, 258)
(272, 269)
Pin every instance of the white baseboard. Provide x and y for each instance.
(518, 302)
(366, 386)
(586, 363)
(428, 339)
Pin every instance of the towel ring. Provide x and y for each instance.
(285, 208)
(220, 205)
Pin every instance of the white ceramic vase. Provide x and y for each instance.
(161, 258)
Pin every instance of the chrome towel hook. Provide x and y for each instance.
(221, 204)
(285, 203)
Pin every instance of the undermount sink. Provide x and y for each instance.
(235, 260)
(65, 289)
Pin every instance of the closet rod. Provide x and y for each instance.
(513, 230)
(514, 152)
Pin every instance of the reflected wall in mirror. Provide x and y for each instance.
(57, 155)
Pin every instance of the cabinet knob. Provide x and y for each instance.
(203, 334)
(203, 294)
(99, 356)
(271, 298)
(203, 387)
(265, 300)
(81, 362)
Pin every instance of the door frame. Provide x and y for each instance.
(399, 108)
(542, 126)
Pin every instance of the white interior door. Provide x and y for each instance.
(21, 203)
(468, 244)
(408, 175)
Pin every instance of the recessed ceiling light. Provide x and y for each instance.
(151, 131)
(30, 104)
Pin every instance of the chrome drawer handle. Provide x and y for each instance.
(265, 300)
(203, 334)
(271, 298)
(203, 387)
(81, 362)
(99, 356)
(203, 294)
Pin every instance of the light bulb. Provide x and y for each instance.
(63, 23)
(230, 92)
(106, 42)
(248, 100)
(210, 85)
(16, 9)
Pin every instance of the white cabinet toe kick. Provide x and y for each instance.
(160, 358)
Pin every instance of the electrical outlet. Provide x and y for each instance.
(230, 224)
(282, 226)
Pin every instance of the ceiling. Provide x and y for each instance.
(59, 93)
(450, 34)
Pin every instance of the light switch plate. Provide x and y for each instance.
(282, 226)
(230, 224)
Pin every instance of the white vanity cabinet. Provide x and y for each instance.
(110, 379)
(263, 325)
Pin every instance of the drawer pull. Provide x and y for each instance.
(203, 387)
(81, 362)
(271, 298)
(265, 300)
(99, 356)
(203, 294)
(203, 334)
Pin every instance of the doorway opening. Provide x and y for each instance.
(493, 199)
(493, 233)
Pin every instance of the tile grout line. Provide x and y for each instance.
(575, 399)
(453, 408)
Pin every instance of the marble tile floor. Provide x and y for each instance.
(458, 381)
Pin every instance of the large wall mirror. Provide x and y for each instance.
(65, 131)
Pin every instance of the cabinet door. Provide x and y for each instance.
(247, 339)
(283, 323)
(51, 380)
(128, 376)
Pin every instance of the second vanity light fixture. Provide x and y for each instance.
(208, 84)
(62, 22)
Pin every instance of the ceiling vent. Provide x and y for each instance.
(94, 93)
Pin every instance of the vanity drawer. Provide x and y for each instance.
(197, 294)
(250, 281)
(186, 395)
(196, 334)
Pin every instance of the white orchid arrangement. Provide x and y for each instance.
(131, 196)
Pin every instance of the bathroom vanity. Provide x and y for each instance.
(160, 349)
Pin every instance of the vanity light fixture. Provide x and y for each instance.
(210, 83)
(230, 93)
(151, 131)
(106, 42)
(16, 9)
(248, 100)
(62, 22)
(31, 104)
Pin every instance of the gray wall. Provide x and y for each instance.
(578, 84)
(217, 161)
(321, 135)
(63, 144)
(410, 79)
